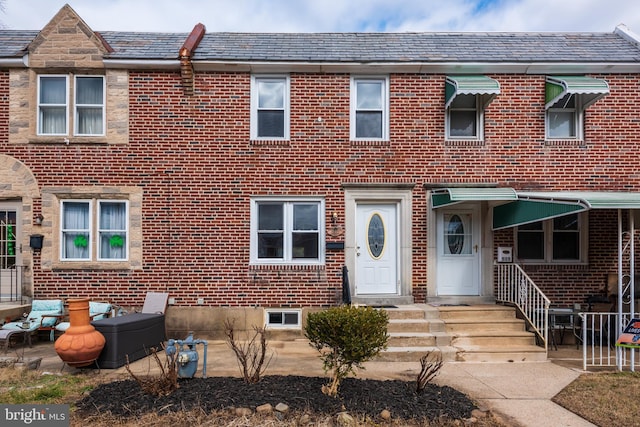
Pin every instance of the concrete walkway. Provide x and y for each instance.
(519, 392)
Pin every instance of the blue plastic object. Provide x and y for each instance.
(185, 355)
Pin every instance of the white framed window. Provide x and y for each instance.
(564, 119)
(270, 107)
(54, 105)
(283, 318)
(89, 105)
(561, 240)
(369, 113)
(464, 118)
(566, 99)
(287, 231)
(82, 220)
(112, 230)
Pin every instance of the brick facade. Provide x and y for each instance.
(193, 167)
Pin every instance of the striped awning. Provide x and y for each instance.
(470, 85)
(538, 206)
(450, 196)
(591, 89)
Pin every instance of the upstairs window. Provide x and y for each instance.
(88, 105)
(464, 118)
(369, 108)
(566, 98)
(466, 98)
(270, 107)
(53, 102)
(78, 241)
(287, 231)
(558, 240)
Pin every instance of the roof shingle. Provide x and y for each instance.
(361, 47)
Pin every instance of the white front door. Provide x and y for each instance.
(10, 250)
(458, 246)
(376, 249)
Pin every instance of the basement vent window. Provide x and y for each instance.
(283, 319)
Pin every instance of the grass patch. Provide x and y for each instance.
(605, 399)
(19, 386)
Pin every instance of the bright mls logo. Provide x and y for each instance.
(34, 415)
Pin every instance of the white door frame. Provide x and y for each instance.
(377, 274)
(401, 195)
(466, 266)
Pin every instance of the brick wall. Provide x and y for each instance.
(193, 158)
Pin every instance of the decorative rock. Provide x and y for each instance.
(479, 413)
(304, 420)
(244, 412)
(264, 409)
(344, 419)
(385, 415)
(282, 407)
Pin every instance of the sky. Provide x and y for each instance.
(332, 15)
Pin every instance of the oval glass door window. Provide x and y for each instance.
(456, 235)
(375, 236)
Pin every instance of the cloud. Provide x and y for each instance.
(332, 15)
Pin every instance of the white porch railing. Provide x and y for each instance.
(599, 332)
(515, 287)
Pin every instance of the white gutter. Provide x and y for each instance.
(141, 64)
(381, 67)
(14, 62)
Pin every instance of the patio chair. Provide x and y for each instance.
(97, 311)
(44, 316)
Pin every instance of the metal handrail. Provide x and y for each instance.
(516, 287)
(11, 283)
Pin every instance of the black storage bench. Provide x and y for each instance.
(131, 335)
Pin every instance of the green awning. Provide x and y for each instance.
(470, 85)
(591, 89)
(524, 212)
(449, 196)
(539, 206)
(588, 199)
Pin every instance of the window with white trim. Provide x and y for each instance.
(465, 118)
(564, 118)
(282, 319)
(369, 108)
(560, 240)
(89, 227)
(287, 231)
(54, 105)
(270, 107)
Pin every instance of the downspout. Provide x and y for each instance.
(186, 54)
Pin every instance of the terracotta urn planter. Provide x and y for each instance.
(81, 344)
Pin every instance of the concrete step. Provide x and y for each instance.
(456, 326)
(409, 325)
(413, 354)
(476, 312)
(514, 353)
(418, 339)
(494, 338)
(405, 312)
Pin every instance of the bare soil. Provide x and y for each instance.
(125, 400)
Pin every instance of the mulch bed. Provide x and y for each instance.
(125, 399)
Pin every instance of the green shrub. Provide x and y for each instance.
(346, 337)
